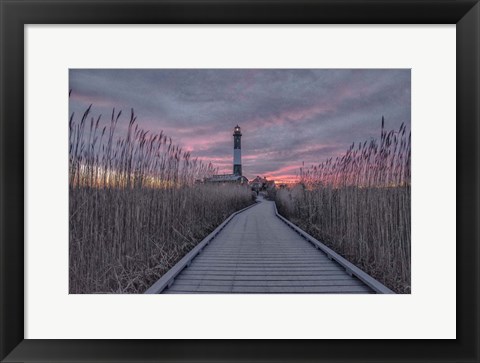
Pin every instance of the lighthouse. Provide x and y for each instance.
(237, 176)
(237, 151)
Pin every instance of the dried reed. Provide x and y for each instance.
(136, 207)
(359, 204)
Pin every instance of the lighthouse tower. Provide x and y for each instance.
(237, 151)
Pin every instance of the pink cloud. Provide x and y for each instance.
(293, 115)
(93, 100)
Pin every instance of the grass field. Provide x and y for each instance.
(359, 204)
(135, 205)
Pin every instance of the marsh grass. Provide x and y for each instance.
(135, 206)
(359, 204)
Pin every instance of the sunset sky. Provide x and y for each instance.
(287, 116)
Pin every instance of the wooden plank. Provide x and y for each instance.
(258, 253)
(262, 257)
(265, 264)
(262, 264)
(266, 273)
(332, 266)
(266, 261)
(271, 271)
(264, 278)
(270, 292)
(168, 277)
(271, 289)
(311, 253)
(351, 268)
(266, 267)
(263, 267)
(238, 246)
(284, 283)
(257, 257)
(193, 289)
(325, 262)
(308, 289)
(265, 256)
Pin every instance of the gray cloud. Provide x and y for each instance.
(287, 116)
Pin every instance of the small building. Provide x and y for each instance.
(261, 184)
(270, 184)
(227, 178)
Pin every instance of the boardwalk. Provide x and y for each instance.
(257, 252)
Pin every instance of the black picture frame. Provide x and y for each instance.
(15, 14)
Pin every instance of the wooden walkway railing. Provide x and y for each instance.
(256, 250)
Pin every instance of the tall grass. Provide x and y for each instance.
(135, 207)
(359, 204)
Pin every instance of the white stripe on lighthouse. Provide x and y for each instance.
(237, 156)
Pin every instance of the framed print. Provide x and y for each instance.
(240, 255)
(239, 181)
